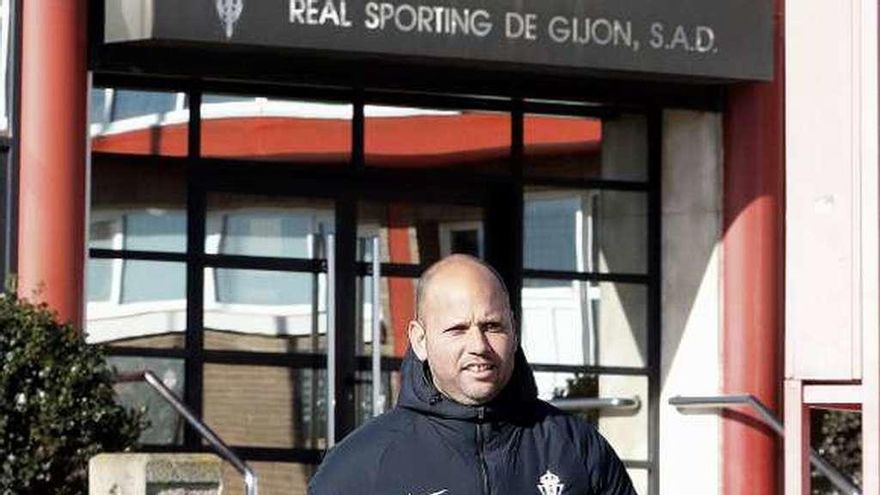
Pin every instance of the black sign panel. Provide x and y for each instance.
(726, 39)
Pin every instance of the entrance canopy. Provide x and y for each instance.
(671, 41)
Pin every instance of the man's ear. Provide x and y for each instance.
(417, 339)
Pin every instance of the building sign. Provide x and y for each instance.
(726, 39)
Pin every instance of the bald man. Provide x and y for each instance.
(468, 420)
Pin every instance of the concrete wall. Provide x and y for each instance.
(690, 445)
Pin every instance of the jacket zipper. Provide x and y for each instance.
(480, 415)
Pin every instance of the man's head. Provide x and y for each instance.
(464, 329)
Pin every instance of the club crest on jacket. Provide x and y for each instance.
(550, 484)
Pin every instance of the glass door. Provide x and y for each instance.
(396, 241)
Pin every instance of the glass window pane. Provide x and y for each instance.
(364, 393)
(265, 406)
(639, 478)
(285, 478)
(268, 311)
(145, 304)
(99, 274)
(153, 281)
(215, 98)
(418, 138)
(156, 230)
(419, 233)
(268, 226)
(584, 323)
(141, 123)
(269, 129)
(263, 288)
(132, 103)
(625, 429)
(97, 100)
(165, 424)
(137, 206)
(585, 230)
(586, 148)
(397, 297)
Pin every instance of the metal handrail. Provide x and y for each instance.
(588, 403)
(839, 479)
(250, 478)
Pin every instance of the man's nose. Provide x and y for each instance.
(476, 340)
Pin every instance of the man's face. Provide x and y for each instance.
(466, 334)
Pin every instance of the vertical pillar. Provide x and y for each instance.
(53, 153)
(753, 259)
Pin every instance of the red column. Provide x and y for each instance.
(53, 150)
(754, 168)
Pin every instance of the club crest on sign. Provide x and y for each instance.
(229, 12)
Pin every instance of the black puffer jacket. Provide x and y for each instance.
(430, 445)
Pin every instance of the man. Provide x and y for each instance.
(468, 420)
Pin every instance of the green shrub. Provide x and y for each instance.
(837, 437)
(57, 405)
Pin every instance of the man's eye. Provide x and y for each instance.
(493, 326)
(456, 330)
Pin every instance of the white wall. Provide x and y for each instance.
(690, 445)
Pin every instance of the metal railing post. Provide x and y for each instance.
(250, 478)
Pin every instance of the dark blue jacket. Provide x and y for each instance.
(430, 445)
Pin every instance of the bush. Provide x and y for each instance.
(57, 405)
(837, 437)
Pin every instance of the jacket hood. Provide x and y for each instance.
(418, 393)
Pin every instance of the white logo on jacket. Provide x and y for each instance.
(550, 484)
(229, 12)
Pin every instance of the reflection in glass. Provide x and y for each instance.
(586, 148)
(146, 306)
(140, 122)
(268, 226)
(266, 406)
(97, 102)
(416, 138)
(397, 307)
(626, 430)
(137, 206)
(585, 230)
(269, 129)
(132, 103)
(165, 424)
(364, 393)
(153, 281)
(584, 323)
(155, 230)
(262, 310)
(419, 233)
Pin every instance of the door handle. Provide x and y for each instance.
(378, 396)
(331, 340)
